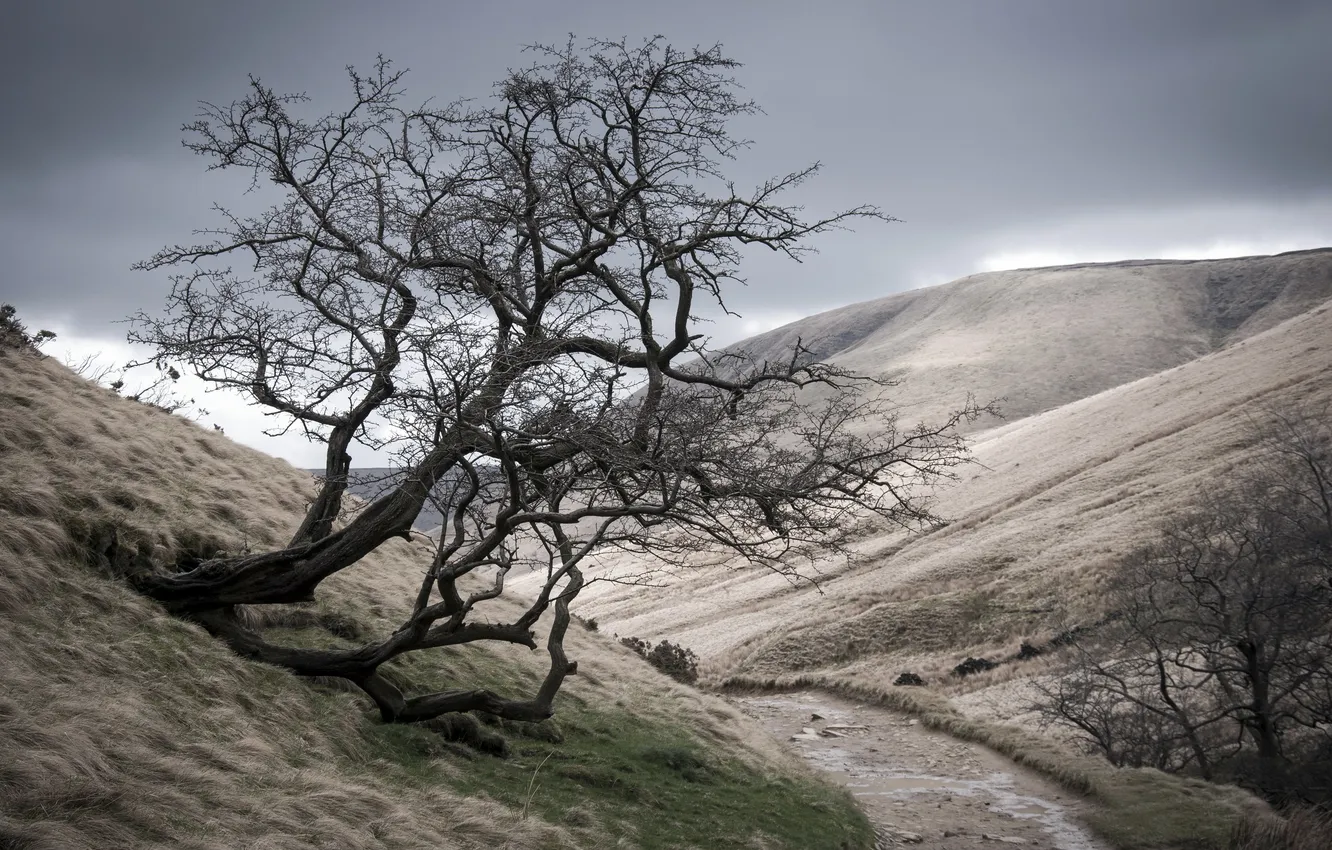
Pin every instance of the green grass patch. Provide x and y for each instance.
(1147, 809)
(641, 778)
(656, 786)
(660, 787)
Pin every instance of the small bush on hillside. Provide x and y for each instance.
(909, 679)
(974, 665)
(679, 663)
(1028, 651)
(675, 661)
(1067, 637)
(13, 333)
(638, 645)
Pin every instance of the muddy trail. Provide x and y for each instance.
(923, 788)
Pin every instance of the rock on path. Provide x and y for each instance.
(922, 788)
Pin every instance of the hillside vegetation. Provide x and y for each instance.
(1130, 386)
(121, 726)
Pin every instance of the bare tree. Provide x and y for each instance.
(91, 367)
(505, 293)
(1221, 639)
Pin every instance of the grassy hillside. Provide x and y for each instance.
(1038, 525)
(1041, 338)
(1055, 499)
(123, 727)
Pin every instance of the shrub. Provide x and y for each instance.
(974, 665)
(13, 333)
(638, 645)
(1301, 829)
(1028, 651)
(1068, 637)
(679, 663)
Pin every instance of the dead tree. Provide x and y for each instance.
(505, 293)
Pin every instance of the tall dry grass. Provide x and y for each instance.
(123, 727)
(1300, 829)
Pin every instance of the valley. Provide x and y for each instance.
(1128, 388)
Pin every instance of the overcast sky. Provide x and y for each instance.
(1002, 132)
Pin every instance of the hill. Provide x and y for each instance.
(122, 726)
(1126, 422)
(1041, 338)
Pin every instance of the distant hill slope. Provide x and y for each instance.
(123, 727)
(1057, 496)
(1040, 338)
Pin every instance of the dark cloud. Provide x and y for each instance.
(986, 126)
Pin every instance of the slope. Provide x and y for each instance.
(123, 727)
(1040, 338)
(1055, 499)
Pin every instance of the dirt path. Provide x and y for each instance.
(919, 787)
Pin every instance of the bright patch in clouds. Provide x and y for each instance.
(1193, 234)
(1217, 250)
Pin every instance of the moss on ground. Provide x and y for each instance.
(641, 779)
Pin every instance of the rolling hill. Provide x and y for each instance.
(1041, 338)
(1127, 386)
(1034, 339)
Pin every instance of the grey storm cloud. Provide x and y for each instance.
(980, 124)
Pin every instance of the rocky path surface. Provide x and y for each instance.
(922, 788)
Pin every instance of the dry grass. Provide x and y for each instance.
(123, 727)
(1041, 523)
(1058, 499)
(1041, 338)
(1302, 829)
